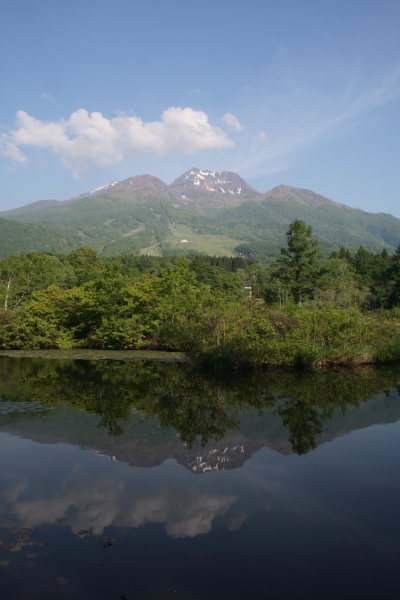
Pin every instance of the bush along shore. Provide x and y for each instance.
(302, 309)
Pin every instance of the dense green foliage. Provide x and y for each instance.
(22, 237)
(226, 311)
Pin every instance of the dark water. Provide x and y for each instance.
(138, 481)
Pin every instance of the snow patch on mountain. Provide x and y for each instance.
(212, 181)
(103, 187)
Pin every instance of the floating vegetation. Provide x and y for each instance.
(87, 354)
(21, 539)
(8, 408)
(39, 544)
(24, 539)
(24, 531)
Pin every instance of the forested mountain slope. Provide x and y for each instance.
(200, 212)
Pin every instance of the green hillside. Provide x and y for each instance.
(109, 225)
(116, 226)
(142, 216)
(263, 226)
(20, 238)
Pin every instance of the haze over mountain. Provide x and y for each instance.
(200, 212)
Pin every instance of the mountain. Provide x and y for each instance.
(305, 197)
(135, 189)
(198, 190)
(21, 238)
(207, 212)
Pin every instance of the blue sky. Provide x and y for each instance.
(305, 93)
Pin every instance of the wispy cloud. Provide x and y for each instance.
(91, 139)
(47, 96)
(196, 92)
(232, 121)
(301, 113)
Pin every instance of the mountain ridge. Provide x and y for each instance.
(191, 187)
(206, 212)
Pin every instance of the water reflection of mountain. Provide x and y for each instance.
(144, 442)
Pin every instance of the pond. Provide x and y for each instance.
(134, 480)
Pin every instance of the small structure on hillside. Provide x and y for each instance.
(248, 286)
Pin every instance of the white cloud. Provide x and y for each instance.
(91, 139)
(10, 151)
(232, 121)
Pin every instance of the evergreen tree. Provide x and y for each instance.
(299, 263)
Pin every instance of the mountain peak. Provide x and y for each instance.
(299, 195)
(201, 188)
(138, 188)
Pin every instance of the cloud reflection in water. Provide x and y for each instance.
(89, 503)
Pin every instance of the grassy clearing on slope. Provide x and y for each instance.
(216, 245)
(153, 250)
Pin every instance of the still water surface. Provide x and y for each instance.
(130, 480)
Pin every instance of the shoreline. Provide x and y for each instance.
(163, 356)
(87, 354)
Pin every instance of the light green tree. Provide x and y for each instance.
(338, 285)
(22, 274)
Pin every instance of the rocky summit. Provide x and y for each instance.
(197, 189)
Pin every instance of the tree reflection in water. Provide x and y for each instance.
(199, 407)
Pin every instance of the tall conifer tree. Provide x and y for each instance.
(300, 261)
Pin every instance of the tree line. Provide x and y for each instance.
(231, 311)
